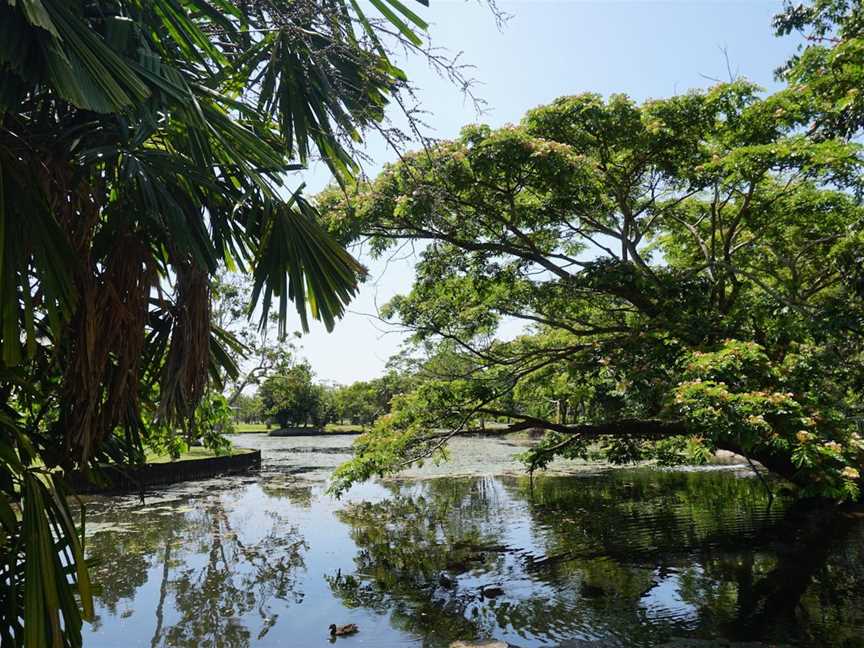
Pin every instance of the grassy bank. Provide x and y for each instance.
(193, 453)
(332, 428)
(251, 428)
(336, 428)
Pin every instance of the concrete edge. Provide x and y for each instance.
(120, 479)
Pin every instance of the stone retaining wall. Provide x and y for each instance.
(133, 478)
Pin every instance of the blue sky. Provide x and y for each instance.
(645, 49)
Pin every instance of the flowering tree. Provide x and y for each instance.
(688, 270)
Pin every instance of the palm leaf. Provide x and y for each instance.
(296, 260)
(83, 69)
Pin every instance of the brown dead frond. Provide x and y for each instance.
(184, 375)
(105, 340)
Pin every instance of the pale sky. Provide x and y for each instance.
(645, 49)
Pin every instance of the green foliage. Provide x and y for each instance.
(736, 393)
(291, 397)
(687, 273)
(356, 403)
(827, 75)
(249, 408)
(361, 402)
(143, 146)
(46, 591)
(213, 419)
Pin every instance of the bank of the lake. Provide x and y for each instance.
(162, 470)
(582, 557)
(330, 428)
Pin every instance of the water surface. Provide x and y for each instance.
(472, 550)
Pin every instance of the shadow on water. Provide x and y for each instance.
(626, 558)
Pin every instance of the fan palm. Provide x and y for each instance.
(144, 143)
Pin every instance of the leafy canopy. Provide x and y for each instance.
(682, 268)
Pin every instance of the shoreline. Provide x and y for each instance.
(125, 479)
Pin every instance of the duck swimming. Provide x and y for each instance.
(342, 631)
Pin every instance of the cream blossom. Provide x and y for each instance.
(850, 473)
(833, 446)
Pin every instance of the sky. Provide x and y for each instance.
(645, 49)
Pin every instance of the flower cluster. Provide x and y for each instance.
(758, 413)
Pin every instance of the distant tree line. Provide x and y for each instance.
(290, 396)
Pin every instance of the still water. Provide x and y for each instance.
(472, 550)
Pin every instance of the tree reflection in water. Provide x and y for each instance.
(211, 580)
(630, 559)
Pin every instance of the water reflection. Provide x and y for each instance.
(632, 558)
(207, 577)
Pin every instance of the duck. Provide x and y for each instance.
(344, 630)
(491, 591)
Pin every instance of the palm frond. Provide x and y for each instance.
(297, 261)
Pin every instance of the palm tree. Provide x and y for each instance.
(143, 144)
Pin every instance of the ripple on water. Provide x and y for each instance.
(623, 558)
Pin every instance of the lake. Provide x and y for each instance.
(581, 556)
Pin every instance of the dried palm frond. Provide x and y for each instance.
(106, 341)
(184, 375)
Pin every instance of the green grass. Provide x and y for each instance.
(261, 428)
(252, 428)
(347, 427)
(193, 453)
